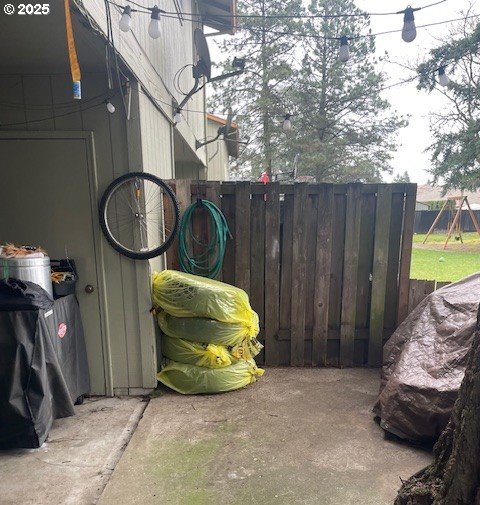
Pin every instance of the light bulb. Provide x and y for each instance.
(177, 118)
(126, 19)
(409, 31)
(287, 123)
(443, 79)
(110, 107)
(344, 52)
(154, 26)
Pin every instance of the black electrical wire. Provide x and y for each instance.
(285, 16)
(55, 116)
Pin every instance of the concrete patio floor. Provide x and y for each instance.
(297, 436)
(76, 461)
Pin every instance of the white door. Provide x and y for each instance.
(45, 200)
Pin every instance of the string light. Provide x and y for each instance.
(443, 79)
(177, 118)
(126, 19)
(344, 52)
(287, 123)
(154, 26)
(110, 106)
(409, 30)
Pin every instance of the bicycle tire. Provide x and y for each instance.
(110, 191)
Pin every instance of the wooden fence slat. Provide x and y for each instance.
(272, 274)
(365, 260)
(228, 209)
(380, 265)
(406, 251)
(336, 277)
(311, 211)
(442, 284)
(298, 292)
(286, 273)
(350, 273)
(212, 194)
(419, 290)
(182, 192)
(322, 274)
(257, 263)
(391, 294)
(242, 236)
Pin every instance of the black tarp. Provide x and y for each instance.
(425, 361)
(43, 365)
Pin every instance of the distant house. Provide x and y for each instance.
(421, 206)
(427, 193)
(220, 152)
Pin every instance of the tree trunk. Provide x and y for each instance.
(454, 476)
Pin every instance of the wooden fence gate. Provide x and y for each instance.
(326, 265)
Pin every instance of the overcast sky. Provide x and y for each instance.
(413, 139)
(407, 99)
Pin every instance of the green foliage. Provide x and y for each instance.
(405, 178)
(455, 152)
(342, 129)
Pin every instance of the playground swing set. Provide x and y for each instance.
(455, 225)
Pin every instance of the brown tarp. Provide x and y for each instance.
(424, 362)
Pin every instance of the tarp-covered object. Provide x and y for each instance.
(425, 360)
(43, 365)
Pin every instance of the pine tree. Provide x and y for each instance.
(455, 152)
(257, 95)
(405, 178)
(344, 131)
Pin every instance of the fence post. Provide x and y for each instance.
(297, 344)
(350, 274)
(379, 281)
(406, 251)
(272, 273)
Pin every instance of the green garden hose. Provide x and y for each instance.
(209, 260)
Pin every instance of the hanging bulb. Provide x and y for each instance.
(287, 123)
(409, 31)
(443, 79)
(344, 52)
(154, 26)
(177, 118)
(110, 107)
(126, 19)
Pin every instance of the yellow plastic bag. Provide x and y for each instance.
(190, 379)
(186, 295)
(193, 353)
(240, 343)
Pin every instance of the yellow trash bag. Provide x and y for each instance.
(193, 353)
(186, 295)
(240, 342)
(190, 379)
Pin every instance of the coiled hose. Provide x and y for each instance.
(209, 260)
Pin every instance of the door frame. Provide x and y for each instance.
(88, 138)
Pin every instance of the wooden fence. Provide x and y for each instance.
(326, 266)
(420, 289)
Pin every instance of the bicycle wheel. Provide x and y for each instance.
(139, 215)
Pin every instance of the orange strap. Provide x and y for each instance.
(72, 51)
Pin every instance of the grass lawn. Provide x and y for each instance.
(431, 261)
